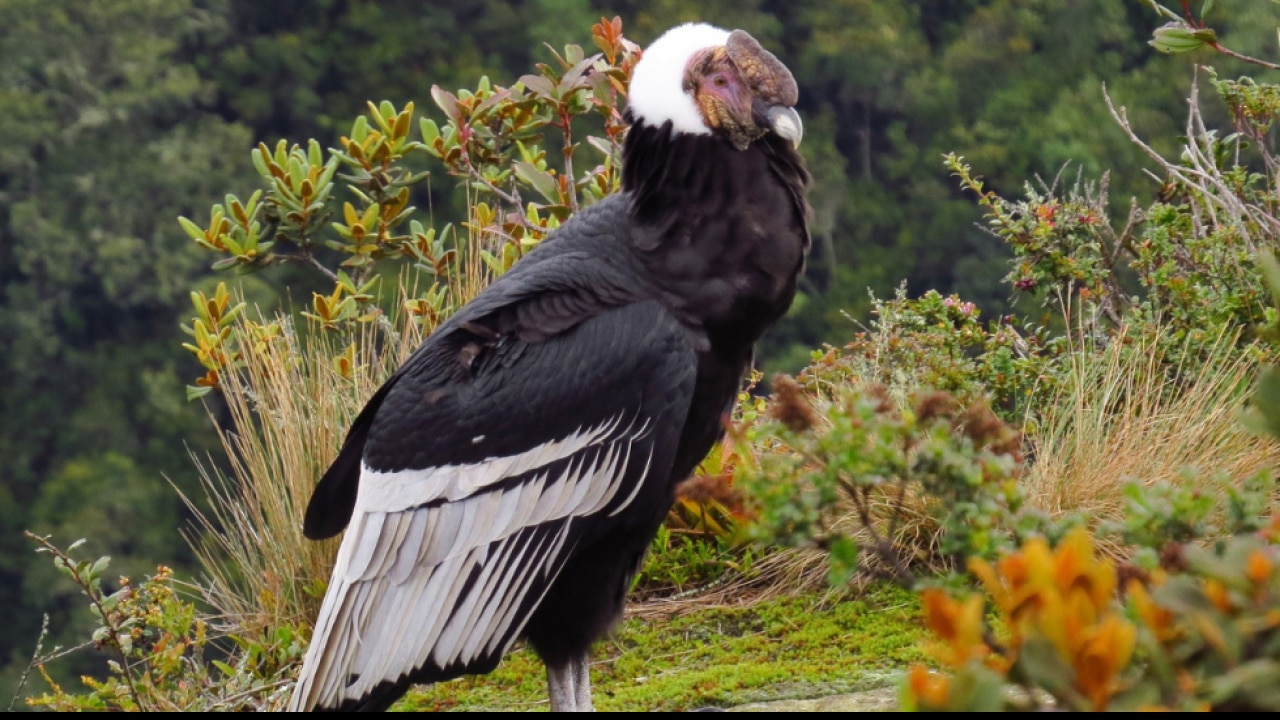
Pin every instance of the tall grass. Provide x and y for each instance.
(288, 407)
(1124, 413)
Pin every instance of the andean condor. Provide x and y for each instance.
(507, 480)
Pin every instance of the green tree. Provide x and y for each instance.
(105, 139)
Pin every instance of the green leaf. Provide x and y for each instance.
(326, 175)
(401, 127)
(360, 129)
(492, 261)
(191, 228)
(388, 113)
(539, 180)
(978, 689)
(1166, 12)
(1047, 669)
(296, 173)
(260, 163)
(99, 565)
(234, 246)
(539, 85)
(430, 131)
(1270, 270)
(605, 147)
(843, 561)
(1254, 684)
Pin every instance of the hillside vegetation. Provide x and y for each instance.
(1060, 413)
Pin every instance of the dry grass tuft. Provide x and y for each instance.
(289, 409)
(1122, 415)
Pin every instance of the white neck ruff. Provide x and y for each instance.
(657, 82)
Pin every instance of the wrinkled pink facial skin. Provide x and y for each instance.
(731, 83)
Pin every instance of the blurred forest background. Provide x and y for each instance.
(117, 116)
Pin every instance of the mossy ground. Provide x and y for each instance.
(794, 647)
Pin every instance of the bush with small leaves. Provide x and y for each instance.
(941, 343)
(926, 484)
(157, 642)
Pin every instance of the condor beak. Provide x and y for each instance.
(785, 122)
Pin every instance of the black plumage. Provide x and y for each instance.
(507, 480)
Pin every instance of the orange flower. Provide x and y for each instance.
(1066, 596)
(927, 689)
(1053, 591)
(1219, 595)
(1160, 620)
(958, 624)
(1078, 571)
(1259, 567)
(1103, 652)
(1018, 581)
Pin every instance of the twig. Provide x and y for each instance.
(882, 545)
(1124, 241)
(304, 255)
(511, 198)
(58, 652)
(1213, 194)
(231, 700)
(35, 660)
(333, 276)
(1244, 58)
(567, 124)
(96, 600)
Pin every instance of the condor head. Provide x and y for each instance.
(704, 80)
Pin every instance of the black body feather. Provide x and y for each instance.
(644, 307)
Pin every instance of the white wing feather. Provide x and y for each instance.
(417, 536)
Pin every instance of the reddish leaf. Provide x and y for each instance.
(447, 102)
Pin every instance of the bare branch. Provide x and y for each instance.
(35, 660)
(1244, 58)
(1213, 200)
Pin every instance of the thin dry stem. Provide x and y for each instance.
(35, 660)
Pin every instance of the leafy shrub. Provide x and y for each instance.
(492, 140)
(157, 641)
(1139, 477)
(292, 386)
(939, 343)
(936, 479)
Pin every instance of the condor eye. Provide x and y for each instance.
(720, 81)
